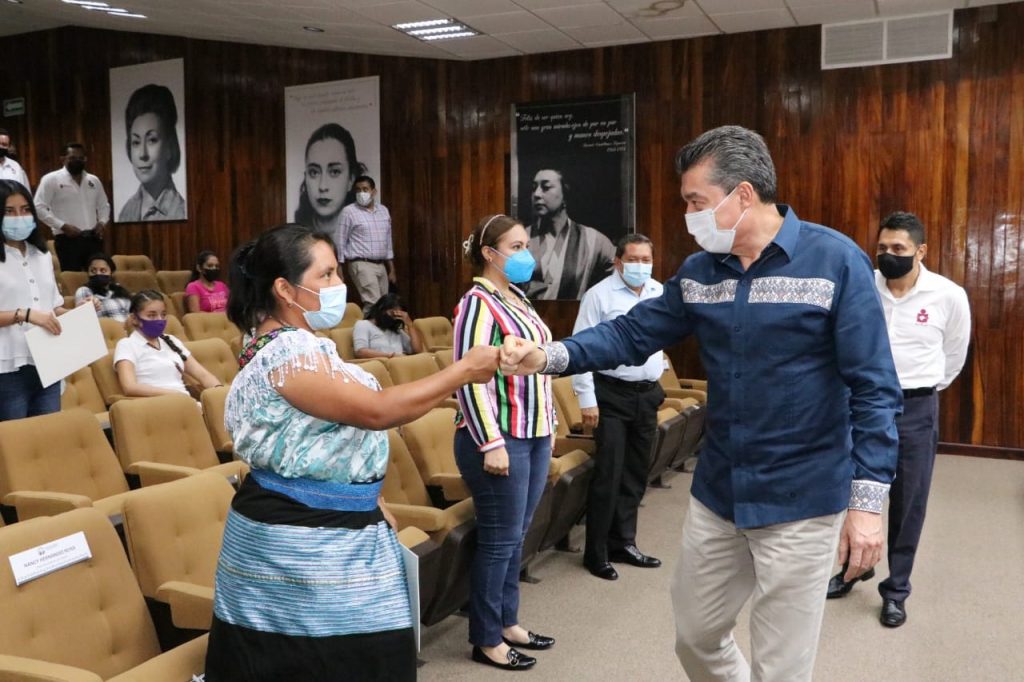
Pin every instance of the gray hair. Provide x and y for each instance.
(737, 155)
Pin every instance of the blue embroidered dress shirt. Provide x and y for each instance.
(802, 390)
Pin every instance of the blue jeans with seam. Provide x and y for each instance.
(504, 510)
(22, 395)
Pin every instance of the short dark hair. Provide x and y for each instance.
(36, 238)
(71, 145)
(155, 99)
(908, 222)
(737, 155)
(201, 258)
(632, 238)
(365, 178)
(487, 233)
(3, 131)
(281, 251)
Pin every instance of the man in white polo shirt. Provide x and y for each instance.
(72, 202)
(9, 168)
(929, 323)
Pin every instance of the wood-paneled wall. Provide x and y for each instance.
(944, 139)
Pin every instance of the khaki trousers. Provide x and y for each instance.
(369, 279)
(783, 568)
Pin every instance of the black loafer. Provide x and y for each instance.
(894, 613)
(604, 570)
(516, 660)
(837, 587)
(634, 557)
(536, 643)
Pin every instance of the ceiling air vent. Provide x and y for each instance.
(887, 41)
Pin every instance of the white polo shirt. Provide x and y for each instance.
(60, 200)
(161, 367)
(12, 170)
(929, 330)
(605, 301)
(25, 282)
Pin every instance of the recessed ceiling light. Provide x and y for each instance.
(436, 29)
(313, 29)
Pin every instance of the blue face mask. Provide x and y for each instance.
(332, 307)
(519, 266)
(18, 228)
(636, 274)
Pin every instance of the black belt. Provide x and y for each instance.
(638, 386)
(367, 260)
(918, 392)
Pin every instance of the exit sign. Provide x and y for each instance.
(14, 107)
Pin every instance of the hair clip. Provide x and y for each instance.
(467, 246)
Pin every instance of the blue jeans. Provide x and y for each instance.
(504, 509)
(21, 394)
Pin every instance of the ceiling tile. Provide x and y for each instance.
(547, 4)
(478, 47)
(737, 6)
(685, 27)
(392, 13)
(663, 9)
(509, 22)
(604, 35)
(460, 8)
(754, 21)
(836, 12)
(892, 8)
(548, 40)
(580, 15)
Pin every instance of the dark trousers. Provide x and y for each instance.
(918, 429)
(22, 395)
(504, 510)
(74, 252)
(625, 431)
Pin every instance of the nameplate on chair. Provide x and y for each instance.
(53, 556)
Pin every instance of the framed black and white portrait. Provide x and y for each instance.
(147, 133)
(572, 173)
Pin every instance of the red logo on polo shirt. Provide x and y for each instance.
(922, 317)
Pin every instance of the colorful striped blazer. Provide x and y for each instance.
(520, 407)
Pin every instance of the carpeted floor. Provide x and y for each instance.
(965, 618)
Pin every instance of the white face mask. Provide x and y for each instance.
(704, 228)
(363, 198)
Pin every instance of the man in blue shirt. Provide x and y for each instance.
(800, 445)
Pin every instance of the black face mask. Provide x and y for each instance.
(388, 323)
(75, 167)
(894, 267)
(211, 274)
(3, 152)
(99, 282)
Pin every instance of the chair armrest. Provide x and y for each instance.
(452, 485)
(180, 663)
(696, 384)
(673, 403)
(683, 393)
(153, 473)
(412, 537)
(30, 669)
(235, 471)
(459, 513)
(33, 503)
(191, 604)
(426, 519)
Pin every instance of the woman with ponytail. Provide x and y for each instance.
(149, 362)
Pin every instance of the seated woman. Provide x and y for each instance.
(387, 331)
(110, 298)
(205, 291)
(150, 362)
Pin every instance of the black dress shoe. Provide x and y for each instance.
(837, 587)
(632, 556)
(536, 643)
(603, 570)
(894, 614)
(516, 660)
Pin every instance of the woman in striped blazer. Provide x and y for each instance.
(503, 443)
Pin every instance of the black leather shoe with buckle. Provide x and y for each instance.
(536, 643)
(515, 660)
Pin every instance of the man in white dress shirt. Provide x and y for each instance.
(622, 405)
(929, 323)
(9, 168)
(72, 202)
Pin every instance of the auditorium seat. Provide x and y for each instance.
(175, 328)
(430, 440)
(210, 325)
(380, 372)
(213, 401)
(453, 528)
(171, 281)
(57, 462)
(564, 395)
(173, 534)
(444, 357)
(53, 257)
(682, 388)
(113, 331)
(106, 380)
(177, 306)
(569, 477)
(69, 302)
(87, 621)
(405, 369)
(216, 356)
(342, 337)
(138, 280)
(430, 566)
(71, 280)
(133, 263)
(164, 438)
(80, 390)
(436, 331)
(672, 427)
(353, 313)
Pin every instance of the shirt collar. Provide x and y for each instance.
(488, 285)
(926, 281)
(619, 283)
(786, 238)
(162, 204)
